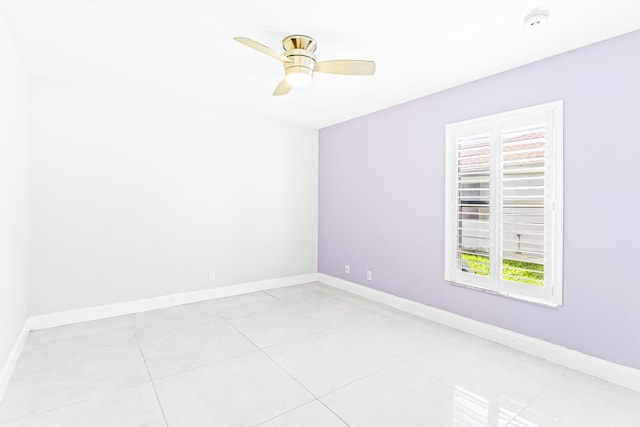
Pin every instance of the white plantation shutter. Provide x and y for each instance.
(504, 216)
(473, 199)
(522, 207)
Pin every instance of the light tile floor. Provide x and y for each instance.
(306, 355)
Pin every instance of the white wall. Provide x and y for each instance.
(135, 197)
(13, 196)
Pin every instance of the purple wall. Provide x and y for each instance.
(382, 198)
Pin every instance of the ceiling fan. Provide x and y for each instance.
(300, 62)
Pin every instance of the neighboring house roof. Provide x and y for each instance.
(522, 151)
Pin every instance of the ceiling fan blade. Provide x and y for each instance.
(283, 88)
(347, 66)
(261, 48)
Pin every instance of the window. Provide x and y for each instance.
(504, 203)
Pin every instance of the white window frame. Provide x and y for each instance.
(551, 293)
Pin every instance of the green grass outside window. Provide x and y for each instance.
(516, 269)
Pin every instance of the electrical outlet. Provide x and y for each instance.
(347, 268)
(212, 275)
(369, 275)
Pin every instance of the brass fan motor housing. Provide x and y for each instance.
(300, 50)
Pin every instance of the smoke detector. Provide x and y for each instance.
(536, 17)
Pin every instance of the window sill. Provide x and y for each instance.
(529, 300)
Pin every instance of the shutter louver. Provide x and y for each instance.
(523, 205)
(473, 203)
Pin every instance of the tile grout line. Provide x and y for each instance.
(159, 404)
(316, 398)
(290, 376)
(284, 413)
(269, 357)
(258, 349)
(37, 413)
(540, 393)
(138, 338)
(153, 385)
(331, 391)
(68, 405)
(334, 413)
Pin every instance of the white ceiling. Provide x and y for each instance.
(183, 49)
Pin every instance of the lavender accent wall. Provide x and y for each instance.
(381, 198)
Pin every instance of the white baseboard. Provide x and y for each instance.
(6, 371)
(609, 371)
(60, 318)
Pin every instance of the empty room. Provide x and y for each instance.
(272, 214)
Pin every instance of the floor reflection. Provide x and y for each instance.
(472, 410)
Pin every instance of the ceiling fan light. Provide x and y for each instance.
(299, 76)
